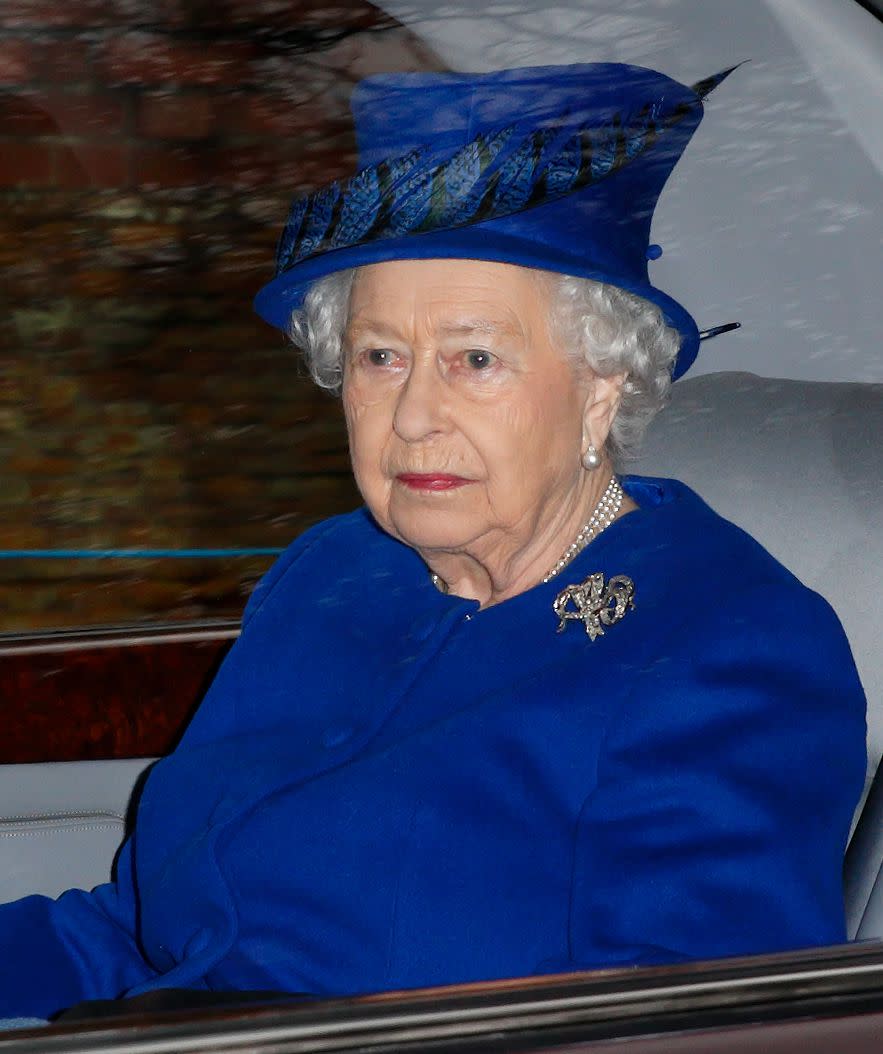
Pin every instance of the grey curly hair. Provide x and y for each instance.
(601, 326)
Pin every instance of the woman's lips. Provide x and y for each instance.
(431, 480)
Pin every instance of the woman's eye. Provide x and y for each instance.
(479, 360)
(379, 357)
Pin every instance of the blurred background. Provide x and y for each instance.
(148, 154)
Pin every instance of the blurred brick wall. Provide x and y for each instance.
(148, 153)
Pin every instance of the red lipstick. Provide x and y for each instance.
(431, 480)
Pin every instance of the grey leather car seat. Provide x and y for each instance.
(61, 823)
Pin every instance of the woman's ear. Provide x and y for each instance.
(602, 402)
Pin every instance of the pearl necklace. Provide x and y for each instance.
(604, 514)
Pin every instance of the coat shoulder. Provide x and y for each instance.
(698, 547)
(347, 543)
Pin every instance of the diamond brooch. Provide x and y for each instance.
(595, 602)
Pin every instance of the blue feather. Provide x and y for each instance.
(361, 203)
(563, 166)
(473, 175)
(405, 194)
(318, 220)
(414, 206)
(517, 178)
(462, 175)
(641, 134)
(603, 151)
(288, 241)
(706, 86)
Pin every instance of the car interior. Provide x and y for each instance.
(796, 462)
(132, 239)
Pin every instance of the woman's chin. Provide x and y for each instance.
(432, 528)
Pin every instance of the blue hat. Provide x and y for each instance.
(554, 167)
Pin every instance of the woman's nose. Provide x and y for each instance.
(419, 411)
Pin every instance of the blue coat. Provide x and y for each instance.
(388, 788)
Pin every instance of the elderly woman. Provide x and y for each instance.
(518, 714)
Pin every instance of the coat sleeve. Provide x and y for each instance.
(726, 789)
(81, 946)
(85, 945)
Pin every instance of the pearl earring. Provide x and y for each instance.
(591, 459)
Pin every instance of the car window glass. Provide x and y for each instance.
(148, 157)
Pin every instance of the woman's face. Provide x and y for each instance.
(466, 421)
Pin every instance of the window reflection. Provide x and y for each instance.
(147, 164)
